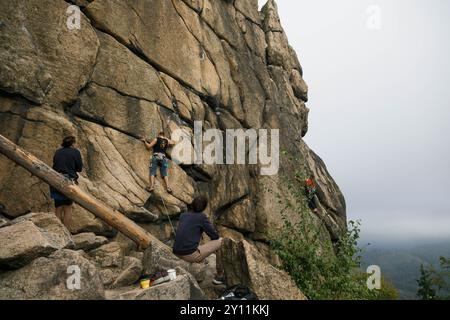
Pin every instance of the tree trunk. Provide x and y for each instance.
(68, 188)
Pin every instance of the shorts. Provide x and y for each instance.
(312, 204)
(59, 198)
(60, 203)
(162, 164)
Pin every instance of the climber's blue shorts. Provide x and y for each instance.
(162, 164)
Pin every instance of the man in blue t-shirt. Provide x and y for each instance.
(189, 233)
(67, 161)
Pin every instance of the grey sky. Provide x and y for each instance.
(379, 101)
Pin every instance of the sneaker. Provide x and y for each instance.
(218, 280)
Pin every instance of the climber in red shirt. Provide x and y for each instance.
(310, 192)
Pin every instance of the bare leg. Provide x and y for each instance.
(67, 216)
(166, 181)
(151, 180)
(59, 212)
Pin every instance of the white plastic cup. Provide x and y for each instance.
(172, 274)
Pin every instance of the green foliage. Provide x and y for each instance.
(324, 275)
(388, 291)
(425, 282)
(321, 271)
(435, 284)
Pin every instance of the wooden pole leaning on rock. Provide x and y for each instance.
(41, 170)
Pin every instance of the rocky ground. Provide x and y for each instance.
(132, 69)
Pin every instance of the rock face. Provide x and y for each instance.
(48, 279)
(243, 264)
(132, 69)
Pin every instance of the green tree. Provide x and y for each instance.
(443, 279)
(435, 284)
(321, 269)
(426, 287)
(387, 291)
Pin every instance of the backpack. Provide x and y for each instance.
(238, 292)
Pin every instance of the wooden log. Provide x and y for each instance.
(44, 172)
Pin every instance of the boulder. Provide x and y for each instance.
(160, 257)
(243, 264)
(132, 270)
(82, 221)
(178, 289)
(32, 236)
(116, 269)
(53, 278)
(88, 241)
(51, 226)
(108, 255)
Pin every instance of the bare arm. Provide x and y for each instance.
(171, 142)
(149, 145)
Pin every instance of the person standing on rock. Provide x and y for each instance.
(67, 161)
(189, 232)
(159, 159)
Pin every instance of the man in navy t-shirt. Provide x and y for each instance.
(67, 161)
(189, 233)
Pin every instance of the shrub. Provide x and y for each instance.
(321, 271)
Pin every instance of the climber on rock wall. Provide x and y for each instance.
(159, 159)
(310, 191)
(67, 161)
(189, 232)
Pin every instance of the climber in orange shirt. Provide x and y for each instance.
(311, 191)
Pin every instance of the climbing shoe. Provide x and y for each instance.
(218, 280)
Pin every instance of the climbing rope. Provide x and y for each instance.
(168, 216)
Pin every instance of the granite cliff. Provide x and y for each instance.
(134, 68)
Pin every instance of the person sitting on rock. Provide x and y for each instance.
(67, 161)
(310, 191)
(189, 232)
(159, 159)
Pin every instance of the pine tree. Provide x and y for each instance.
(426, 290)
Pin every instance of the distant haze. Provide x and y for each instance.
(380, 108)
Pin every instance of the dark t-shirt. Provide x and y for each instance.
(161, 145)
(189, 232)
(68, 161)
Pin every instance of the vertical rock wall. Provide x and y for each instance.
(138, 67)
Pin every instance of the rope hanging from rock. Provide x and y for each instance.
(168, 216)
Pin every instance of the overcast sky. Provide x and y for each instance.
(379, 101)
